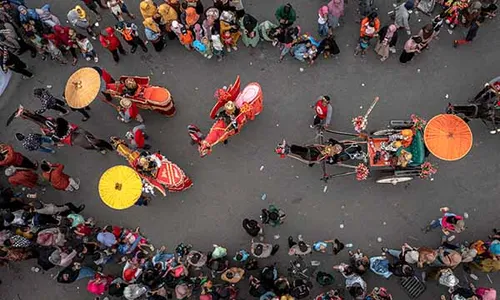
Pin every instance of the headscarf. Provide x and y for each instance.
(29, 15)
(323, 10)
(336, 8)
(167, 13)
(390, 33)
(148, 8)
(212, 13)
(151, 24)
(80, 11)
(61, 34)
(191, 16)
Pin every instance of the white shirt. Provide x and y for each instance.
(322, 20)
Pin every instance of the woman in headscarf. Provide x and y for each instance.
(148, 8)
(228, 24)
(249, 32)
(335, 12)
(265, 30)
(168, 15)
(427, 34)
(47, 17)
(189, 18)
(62, 40)
(79, 18)
(411, 47)
(387, 38)
(153, 33)
(210, 24)
(28, 15)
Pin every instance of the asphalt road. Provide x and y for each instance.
(229, 183)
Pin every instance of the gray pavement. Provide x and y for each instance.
(228, 184)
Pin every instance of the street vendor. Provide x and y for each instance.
(229, 115)
(129, 111)
(148, 164)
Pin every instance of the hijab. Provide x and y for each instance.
(336, 8)
(150, 24)
(191, 16)
(148, 8)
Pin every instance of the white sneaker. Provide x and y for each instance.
(392, 49)
(87, 58)
(96, 59)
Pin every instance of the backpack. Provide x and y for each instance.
(301, 289)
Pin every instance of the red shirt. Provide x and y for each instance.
(110, 42)
(24, 178)
(57, 178)
(139, 138)
(12, 158)
(321, 109)
(133, 111)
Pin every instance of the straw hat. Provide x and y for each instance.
(82, 87)
(125, 103)
(230, 107)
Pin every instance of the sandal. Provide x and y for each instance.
(75, 60)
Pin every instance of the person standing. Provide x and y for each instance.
(471, 34)
(49, 102)
(9, 157)
(411, 47)
(91, 4)
(148, 8)
(335, 12)
(109, 41)
(323, 110)
(54, 174)
(12, 62)
(78, 18)
(130, 112)
(86, 48)
(21, 176)
(137, 137)
(35, 141)
(387, 39)
(323, 21)
(427, 34)
(131, 36)
(285, 14)
(153, 34)
(402, 16)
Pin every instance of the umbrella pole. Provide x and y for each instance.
(113, 105)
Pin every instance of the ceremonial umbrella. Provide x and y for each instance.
(82, 87)
(120, 187)
(448, 137)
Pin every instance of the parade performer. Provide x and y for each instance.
(130, 112)
(9, 157)
(323, 110)
(137, 137)
(148, 164)
(54, 174)
(229, 114)
(130, 88)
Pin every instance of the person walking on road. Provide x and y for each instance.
(54, 174)
(471, 34)
(35, 141)
(48, 101)
(448, 223)
(131, 36)
(9, 157)
(21, 176)
(109, 41)
(323, 110)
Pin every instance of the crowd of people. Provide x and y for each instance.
(216, 30)
(60, 236)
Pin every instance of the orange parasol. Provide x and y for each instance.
(82, 87)
(448, 137)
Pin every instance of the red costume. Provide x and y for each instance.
(56, 177)
(106, 76)
(321, 109)
(11, 157)
(110, 42)
(132, 111)
(139, 139)
(25, 178)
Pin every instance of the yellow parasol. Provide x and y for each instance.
(82, 87)
(448, 137)
(120, 187)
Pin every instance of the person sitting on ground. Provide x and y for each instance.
(273, 216)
